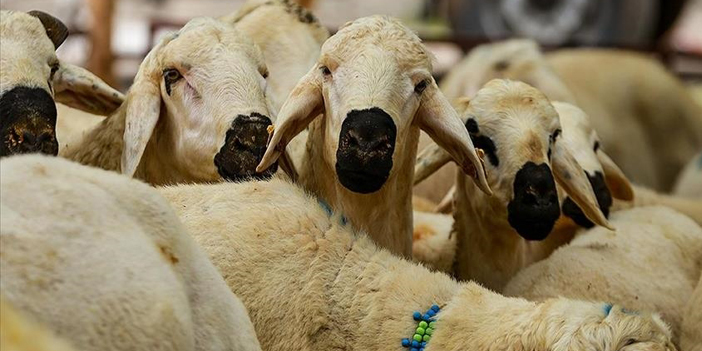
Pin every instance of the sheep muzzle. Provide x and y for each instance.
(27, 122)
(534, 209)
(604, 199)
(244, 147)
(365, 150)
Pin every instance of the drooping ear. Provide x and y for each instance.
(55, 29)
(437, 118)
(299, 110)
(142, 109)
(79, 88)
(615, 179)
(573, 179)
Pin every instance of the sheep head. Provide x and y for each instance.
(373, 88)
(519, 130)
(32, 77)
(607, 180)
(200, 99)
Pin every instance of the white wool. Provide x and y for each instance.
(103, 261)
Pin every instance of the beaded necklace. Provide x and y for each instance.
(424, 331)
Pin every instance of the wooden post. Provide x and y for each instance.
(101, 58)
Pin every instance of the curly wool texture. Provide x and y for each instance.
(309, 281)
(103, 261)
(651, 262)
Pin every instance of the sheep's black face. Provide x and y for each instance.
(366, 146)
(27, 122)
(534, 209)
(604, 199)
(243, 149)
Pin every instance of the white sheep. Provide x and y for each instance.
(651, 262)
(364, 103)
(516, 59)
(649, 122)
(32, 77)
(103, 261)
(519, 131)
(691, 335)
(311, 282)
(578, 137)
(197, 111)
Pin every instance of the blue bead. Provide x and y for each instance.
(424, 344)
(431, 313)
(435, 308)
(415, 343)
(426, 317)
(414, 349)
(417, 316)
(405, 342)
(421, 349)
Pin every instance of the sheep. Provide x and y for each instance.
(103, 261)
(290, 38)
(311, 282)
(634, 113)
(582, 142)
(210, 79)
(18, 333)
(373, 89)
(647, 197)
(689, 182)
(691, 336)
(517, 59)
(519, 131)
(652, 262)
(33, 79)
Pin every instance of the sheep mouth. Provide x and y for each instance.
(362, 181)
(244, 147)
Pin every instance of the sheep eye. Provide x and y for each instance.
(170, 76)
(325, 70)
(597, 146)
(419, 88)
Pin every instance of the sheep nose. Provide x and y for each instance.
(36, 141)
(534, 209)
(244, 147)
(28, 122)
(365, 150)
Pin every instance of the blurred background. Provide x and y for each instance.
(111, 37)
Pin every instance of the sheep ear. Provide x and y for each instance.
(573, 179)
(55, 29)
(303, 105)
(143, 108)
(79, 88)
(437, 118)
(615, 179)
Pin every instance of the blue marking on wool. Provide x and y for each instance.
(328, 210)
(607, 309)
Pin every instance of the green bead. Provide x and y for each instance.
(429, 331)
(417, 337)
(427, 338)
(420, 331)
(423, 324)
(432, 325)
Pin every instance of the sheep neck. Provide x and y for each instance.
(385, 215)
(102, 147)
(490, 251)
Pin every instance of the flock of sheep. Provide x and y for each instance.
(275, 206)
